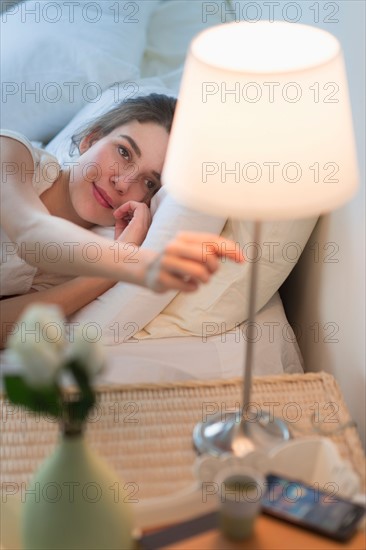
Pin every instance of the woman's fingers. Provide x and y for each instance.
(167, 281)
(204, 248)
(188, 259)
(123, 217)
(159, 279)
(124, 208)
(191, 258)
(135, 213)
(212, 245)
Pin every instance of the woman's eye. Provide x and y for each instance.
(150, 185)
(123, 152)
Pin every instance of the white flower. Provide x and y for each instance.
(89, 354)
(38, 344)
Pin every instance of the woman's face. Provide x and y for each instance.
(122, 166)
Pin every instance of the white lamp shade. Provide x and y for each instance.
(263, 127)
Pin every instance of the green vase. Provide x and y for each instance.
(76, 501)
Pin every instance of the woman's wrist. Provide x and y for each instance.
(137, 265)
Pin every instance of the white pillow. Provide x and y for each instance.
(67, 53)
(173, 25)
(224, 301)
(125, 309)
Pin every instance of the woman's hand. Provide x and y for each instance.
(133, 220)
(188, 260)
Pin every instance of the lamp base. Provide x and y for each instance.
(218, 436)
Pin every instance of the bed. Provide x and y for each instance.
(163, 338)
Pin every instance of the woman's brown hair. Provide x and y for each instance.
(158, 108)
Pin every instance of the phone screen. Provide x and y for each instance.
(309, 507)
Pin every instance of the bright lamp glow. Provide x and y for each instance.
(263, 128)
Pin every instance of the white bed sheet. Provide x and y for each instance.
(219, 356)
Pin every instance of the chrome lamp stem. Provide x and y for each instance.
(248, 362)
(241, 436)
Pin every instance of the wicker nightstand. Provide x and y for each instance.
(145, 431)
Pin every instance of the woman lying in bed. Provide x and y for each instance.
(46, 212)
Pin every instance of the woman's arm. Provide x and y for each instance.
(28, 223)
(69, 296)
(182, 265)
(74, 294)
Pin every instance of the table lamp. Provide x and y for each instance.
(262, 131)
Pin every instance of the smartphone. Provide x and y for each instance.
(311, 508)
